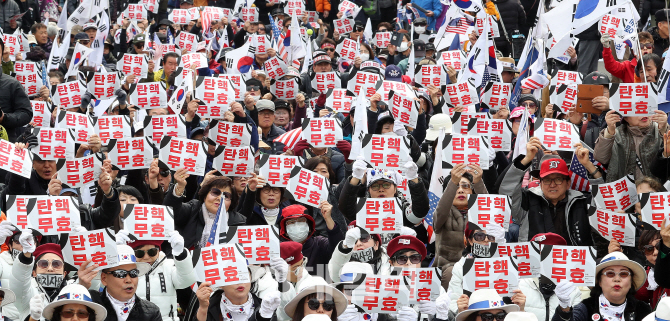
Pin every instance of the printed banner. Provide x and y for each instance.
(379, 215)
(148, 222)
(97, 245)
(383, 151)
(322, 132)
(175, 153)
(234, 161)
(485, 209)
(499, 273)
(556, 134)
(80, 172)
(277, 168)
(260, 243)
(381, 294)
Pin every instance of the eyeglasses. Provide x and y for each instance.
(376, 187)
(261, 29)
(647, 45)
(297, 220)
(649, 249)
(364, 239)
(414, 259)
(557, 181)
(329, 49)
(253, 88)
(622, 274)
(314, 304)
(481, 237)
(121, 274)
(81, 314)
(488, 316)
(151, 252)
(272, 190)
(162, 28)
(83, 42)
(56, 264)
(217, 192)
(529, 105)
(465, 186)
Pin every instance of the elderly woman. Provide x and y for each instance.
(613, 297)
(316, 298)
(234, 302)
(74, 300)
(263, 203)
(484, 305)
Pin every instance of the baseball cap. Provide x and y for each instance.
(138, 38)
(264, 104)
(393, 73)
(508, 64)
(90, 25)
(420, 21)
(187, 1)
(553, 165)
(81, 36)
(662, 15)
(419, 48)
(283, 104)
(291, 252)
(596, 78)
(386, 175)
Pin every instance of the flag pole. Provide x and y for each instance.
(639, 49)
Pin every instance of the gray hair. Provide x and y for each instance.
(52, 31)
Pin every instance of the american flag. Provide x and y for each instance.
(458, 25)
(206, 21)
(278, 39)
(435, 189)
(216, 229)
(289, 139)
(579, 177)
(535, 81)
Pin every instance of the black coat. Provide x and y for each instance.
(142, 310)
(649, 8)
(189, 220)
(513, 17)
(635, 310)
(15, 104)
(662, 264)
(660, 44)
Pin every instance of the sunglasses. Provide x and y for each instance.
(465, 186)
(314, 304)
(217, 192)
(649, 249)
(81, 314)
(121, 274)
(647, 45)
(364, 239)
(164, 173)
(529, 105)
(414, 259)
(359, 28)
(382, 30)
(481, 237)
(253, 88)
(622, 274)
(83, 42)
(420, 25)
(151, 252)
(56, 264)
(488, 316)
(162, 28)
(329, 49)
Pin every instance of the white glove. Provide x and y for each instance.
(6, 230)
(399, 129)
(411, 171)
(350, 314)
(404, 230)
(605, 40)
(496, 231)
(427, 307)
(79, 229)
(563, 291)
(352, 236)
(280, 267)
(270, 304)
(27, 241)
(123, 238)
(407, 314)
(37, 306)
(442, 306)
(177, 243)
(359, 168)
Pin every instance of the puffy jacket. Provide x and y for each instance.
(160, 285)
(14, 102)
(533, 212)
(6, 263)
(9, 8)
(456, 284)
(624, 69)
(513, 17)
(265, 282)
(322, 5)
(536, 304)
(141, 310)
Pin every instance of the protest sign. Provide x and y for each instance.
(451, 58)
(382, 39)
(234, 161)
(431, 75)
(486, 209)
(112, 127)
(294, 8)
(132, 64)
(68, 95)
(496, 95)
(81, 171)
(29, 75)
(383, 151)
(165, 125)
(556, 134)
(222, 265)
(96, 245)
(249, 14)
(458, 149)
(193, 60)
(424, 283)
(49, 215)
(653, 209)
(53, 143)
(344, 26)
(462, 125)
(103, 85)
(461, 94)
(308, 187)
(566, 96)
(609, 24)
(616, 196)
(230, 134)
(148, 95)
(188, 41)
(180, 16)
(285, 89)
(397, 87)
(216, 94)
(176, 152)
(260, 243)
(404, 109)
(275, 68)
(348, 49)
(633, 99)
(526, 256)
(19, 162)
(499, 132)
(611, 225)
(576, 264)
(148, 222)
(131, 153)
(136, 12)
(322, 132)
(79, 126)
(338, 100)
(364, 83)
(499, 273)
(322, 81)
(41, 113)
(379, 215)
(277, 168)
(381, 294)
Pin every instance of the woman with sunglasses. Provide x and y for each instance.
(317, 297)
(613, 297)
(194, 219)
(263, 202)
(649, 245)
(74, 300)
(166, 275)
(484, 305)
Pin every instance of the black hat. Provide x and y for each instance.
(420, 21)
(419, 48)
(282, 104)
(662, 15)
(525, 97)
(430, 46)
(187, 1)
(165, 22)
(359, 24)
(81, 36)
(596, 78)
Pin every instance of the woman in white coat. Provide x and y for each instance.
(7, 261)
(160, 284)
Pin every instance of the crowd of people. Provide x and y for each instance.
(359, 66)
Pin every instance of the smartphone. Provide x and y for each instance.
(585, 95)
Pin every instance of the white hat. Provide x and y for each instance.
(89, 26)
(485, 299)
(317, 285)
(521, 316)
(77, 294)
(388, 175)
(436, 122)
(127, 256)
(662, 311)
(618, 258)
(352, 270)
(9, 297)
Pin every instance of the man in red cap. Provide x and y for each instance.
(551, 207)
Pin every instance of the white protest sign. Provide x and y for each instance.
(364, 83)
(97, 245)
(381, 294)
(451, 58)
(338, 100)
(53, 215)
(294, 8)
(285, 89)
(234, 161)
(556, 134)
(633, 99)
(566, 96)
(133, 64)
(486, 209)
(610, 25)
(216, 94)
(611, 225)
(15, 161)
(249, 14)
(576, 264)
(41, 113)
(458, 149)
(164, 125)
(348, 48)
(135, 12)
(275, 68)
(461, 94)
(404, 109)
(79, 126)
(619, 195)
(260, 243)
(654, 208)
(103, 85)
(499, 132)
(148, 222)
(81, 171)
(322, 132)
(496, 95)
(222, 265)
(431, 75)
(230, 134)
(397, 87)
(112, 127)
(322, 81)
(68, 95)
(382, 39)
(379, 215)
(175, 153)
(130, 153)
(383, 151)
(148, 95)
(308, 187)
(526, 256)
(277, 168)
(53, 143)
(424, 283)
(180, 16)
(500, 274)
(236, 80)
(29, 74)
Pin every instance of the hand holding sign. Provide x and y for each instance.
(532, 147)
(86, 273)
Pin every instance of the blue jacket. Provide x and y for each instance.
(431, 5)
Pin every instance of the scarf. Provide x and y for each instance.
(611, 312)
(232, 312)
(122, 309)
(270, 214)
(652, 282)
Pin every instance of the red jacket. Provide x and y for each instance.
(624, 70)
(651, 297)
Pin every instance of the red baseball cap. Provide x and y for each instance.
(553, 166)
(291, 252)
(549, 239)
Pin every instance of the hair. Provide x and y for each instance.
(58, 75)
(286, 20)
(170, 54)
(299, 312)
(647, 237)
(36, 27)
(652, 182)
(52, 31)
(597, 290)
(327, 40)
(385, 24)
(219, 182)
(132, 191)
(259, 191)
(372, 52)
(645, 36)
(653, 57)
(59, 309)
(313, 162)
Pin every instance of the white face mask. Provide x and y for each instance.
(420, 30)
(297, 232)
(365, 255)
(365, 57)
(404, 46)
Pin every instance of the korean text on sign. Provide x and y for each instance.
(97, 246)
(277, 168)
(424, 283)
(567, 77)
(148, 95)
(556, 135)
(78, 125)
(404, 109)
(322, 132)
(609, 24)
(344, 26)
(380, 215)
(611, 225)
(68, 95)
(169, 125)
(496, 95)
(527, 257)
(133, 64)
(462, 126)
(452, 58)
(112, 127)
(285, 89)
(234, 161)
(381, 294)
(566, 96)
(397, 87)
(80, 172)
(491, 273)
(222, 265)
(572, 263)
(260, 243)
(176, 153)
(338, 100)
(41, 113)
(54, 143)
(633, 99)
(466, 149)
(230, 134)
(654, 208)
(323, 81)
(383, 151)
(499, 132)
(103, 85)
(431, 75)
(364, 83)
(486, 209)
(382, 39)
(131, 153)
(16, 161)
(616, 196)
(216, 94)
(53, 215)
(307, 187)
(148, 222)
(461, 94)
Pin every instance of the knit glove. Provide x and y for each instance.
(280, 268)
(27, 241)
(79, 229)
(176, 242)
(270, 304)
(407, 314)
(411, 170)
(442, 306)
(563, 291)
(605, 40)
(123, 237)
(121, 96)
(428, 307)
(359, 168)
(37, 305)
(352, 236)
